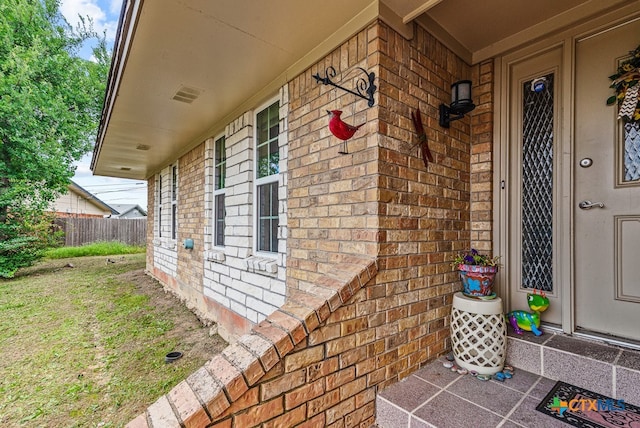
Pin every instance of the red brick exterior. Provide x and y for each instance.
(370, 239)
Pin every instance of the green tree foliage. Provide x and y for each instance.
(50, 105)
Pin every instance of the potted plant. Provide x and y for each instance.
(477, 273)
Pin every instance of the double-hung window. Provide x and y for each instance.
(267, 173)
(174, 201)
(160, 205)
(220, 173)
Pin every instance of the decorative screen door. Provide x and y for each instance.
(533, 170)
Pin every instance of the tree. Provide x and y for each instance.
(50, 105)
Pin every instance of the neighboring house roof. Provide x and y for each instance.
(129, 210)
(80, 201)
(93, 199)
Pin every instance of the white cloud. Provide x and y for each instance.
(115, 7)
(104, 20)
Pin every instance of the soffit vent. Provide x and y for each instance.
(187, 94)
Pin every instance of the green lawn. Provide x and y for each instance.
(84, 345)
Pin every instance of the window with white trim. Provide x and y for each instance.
(220, 174)
(160, 205)
(267, 173)
(174, 201)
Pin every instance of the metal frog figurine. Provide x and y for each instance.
(530, 321)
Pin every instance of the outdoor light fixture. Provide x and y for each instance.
(461, 103)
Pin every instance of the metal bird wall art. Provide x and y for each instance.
(340, 129)
(422, 138)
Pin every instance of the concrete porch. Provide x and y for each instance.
(436, 397)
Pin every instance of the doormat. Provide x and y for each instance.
(587, 409)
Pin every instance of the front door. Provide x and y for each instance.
(606, 192)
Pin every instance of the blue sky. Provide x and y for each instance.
(105, 14)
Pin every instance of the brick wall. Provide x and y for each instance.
(482, 158)
(371, 234)
(191, 219)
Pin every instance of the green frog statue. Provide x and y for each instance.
(530, 321)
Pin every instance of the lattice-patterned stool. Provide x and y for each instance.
(478, 334)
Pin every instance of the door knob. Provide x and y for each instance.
(587, 205)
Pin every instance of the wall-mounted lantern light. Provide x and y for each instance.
(461, 103)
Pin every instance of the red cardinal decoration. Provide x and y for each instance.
(422, 138)
(342, 130)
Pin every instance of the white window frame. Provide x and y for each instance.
(221, 191)
(174, 180)
(273, 178)
(159, 205)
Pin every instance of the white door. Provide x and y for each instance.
(533, 170)
(606, 192)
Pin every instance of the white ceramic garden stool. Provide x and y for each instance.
(478, 334)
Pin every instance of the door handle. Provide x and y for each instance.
(587, 205)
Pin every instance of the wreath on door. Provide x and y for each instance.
(626, 84)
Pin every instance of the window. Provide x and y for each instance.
(267, 171)
(537, 186)
(220, 173)
(174, 200)
(160, 205)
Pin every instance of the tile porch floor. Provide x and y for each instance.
(437, 397)
(434, 396)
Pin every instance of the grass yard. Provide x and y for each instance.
(84, 346)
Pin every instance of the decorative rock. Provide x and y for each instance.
(450, 357)
(507, 374)
(447, 364)
(454, 368)
(499, 377)
(483, 377)
(473, 373)
(462, 370)
(509, 368)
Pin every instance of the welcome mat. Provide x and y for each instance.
(587, 409)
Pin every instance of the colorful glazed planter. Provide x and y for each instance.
(477, 280)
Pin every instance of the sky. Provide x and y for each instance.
(105, 14)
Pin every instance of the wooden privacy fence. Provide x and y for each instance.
(79, 231)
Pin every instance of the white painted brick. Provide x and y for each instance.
(243, 253)
(252, 315)
(217, 297)
(242, 199)
(276, 300)
(220, 269)
(278, 287)
(227, 281)
(239, 308)
(235, 273)
(241, 230)
(261, 281)
(260, 306)
(242, 188)
(238, 241)
(261, 317)
(248, 289)
(233, 170)
(236, 295)
(237, 221)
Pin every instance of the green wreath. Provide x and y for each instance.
(626, 83)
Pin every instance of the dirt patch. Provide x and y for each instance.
(187, 327)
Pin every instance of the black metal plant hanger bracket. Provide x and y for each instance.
(363, 86)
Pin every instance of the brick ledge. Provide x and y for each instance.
(207, 393)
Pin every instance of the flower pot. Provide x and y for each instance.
(477, 280)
